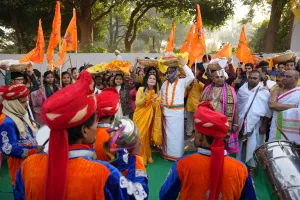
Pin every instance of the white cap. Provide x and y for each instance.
(117, 51)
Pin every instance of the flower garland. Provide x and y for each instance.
(173, 94)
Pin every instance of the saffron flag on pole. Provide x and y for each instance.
(243, 52)
(37, 54)
(69, 42)
(226, 52)
(186, 46)
(170, 45)
(198, 41)
(55, 35)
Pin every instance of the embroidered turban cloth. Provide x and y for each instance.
(108, 102)
(68, 107)
(214, 124)
(14, 91)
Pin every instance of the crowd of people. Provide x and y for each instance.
(228, 110)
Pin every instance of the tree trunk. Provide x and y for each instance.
(17, 28)
(291, 26)
(85, 24)
(128, 45)
(111, 33)
(272, 27)
(116, 33)
(86, 31)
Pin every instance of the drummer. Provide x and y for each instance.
(108, 102)
(16, 130)
(70, 170)
(209, 173)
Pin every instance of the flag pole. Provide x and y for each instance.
(76, 58)
(60, 78)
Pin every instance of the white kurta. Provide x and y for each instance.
(290, 117)
(173, 142)
(119, 57)
(257, 111)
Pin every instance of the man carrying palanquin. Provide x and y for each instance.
(172, 93)
(222, 96)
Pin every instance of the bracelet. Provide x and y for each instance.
(235, 125)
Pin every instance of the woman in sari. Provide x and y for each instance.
(39, 96)
(147, 116)
(66, 79)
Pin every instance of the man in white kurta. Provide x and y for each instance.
(285, 102)
(173, 111)
(254, 115)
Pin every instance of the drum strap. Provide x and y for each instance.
(244, 118)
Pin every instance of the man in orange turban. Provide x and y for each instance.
(70, 170)
(209, 173)
(108, 102)
(17, 139)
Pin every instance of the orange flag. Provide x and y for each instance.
(55, 35)
(170, 45)
(69, 42)
(198, 42)
(37, 54)
(243, 52)
(226, 51)
(186, 46)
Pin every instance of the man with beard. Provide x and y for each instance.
(254, 115)
(172, 93)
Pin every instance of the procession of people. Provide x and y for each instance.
(91, 131)
(224, 121)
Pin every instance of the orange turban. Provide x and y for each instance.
(108, 102)
(66, 108)
(214, 124)
(14, 91)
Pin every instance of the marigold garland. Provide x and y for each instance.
(173, 94)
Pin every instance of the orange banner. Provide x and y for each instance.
(226, 52)
(170, 45)
(186, 46)
(37, 54)
(198, 42)
(243, 52)
(55, 35)
(69, 42)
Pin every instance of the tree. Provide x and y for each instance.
(89, 12)
(215, 12)
(279, 8)
(21, 24)
(283, 34)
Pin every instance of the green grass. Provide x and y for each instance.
(157, 173)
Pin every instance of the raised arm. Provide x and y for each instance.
(277, 106)
(35, 84)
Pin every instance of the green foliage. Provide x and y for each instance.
(92, 49)
(257, 42)
(282, 35)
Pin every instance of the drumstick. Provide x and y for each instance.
(281, 131)
(45, 142)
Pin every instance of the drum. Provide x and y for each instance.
(42, 136)
(278, 163)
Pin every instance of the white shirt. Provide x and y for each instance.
(119, 57)
(180, 88)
